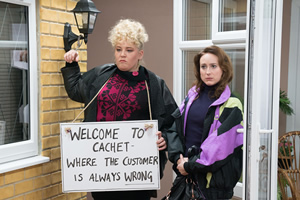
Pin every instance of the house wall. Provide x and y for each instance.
(44, 181)
(285, 47)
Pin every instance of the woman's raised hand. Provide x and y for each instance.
(71, 56)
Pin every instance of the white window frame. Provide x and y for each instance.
(226, 40)
(26, 153)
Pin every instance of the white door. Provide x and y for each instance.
(263, 61)
(255, 51)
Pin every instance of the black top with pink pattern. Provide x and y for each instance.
(124, 97)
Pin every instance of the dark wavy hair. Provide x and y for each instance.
(224, 63)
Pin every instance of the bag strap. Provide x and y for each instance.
(149, 104)
(148, 96)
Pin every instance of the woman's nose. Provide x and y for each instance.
(123, 53)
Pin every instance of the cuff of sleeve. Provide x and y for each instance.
(186, 167)
(73, 64)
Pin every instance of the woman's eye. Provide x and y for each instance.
(130, 50)
(118, 50)
(203, 67)
(214, 66)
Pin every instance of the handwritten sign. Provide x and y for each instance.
(109, 156)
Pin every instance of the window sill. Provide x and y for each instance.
(19, 164)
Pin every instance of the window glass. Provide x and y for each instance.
(197, 20)
(238, 62)
(232, 15)
(14, 74)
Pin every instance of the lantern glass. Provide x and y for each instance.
(82, 21)
(93, 17)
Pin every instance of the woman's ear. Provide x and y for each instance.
(141, 54)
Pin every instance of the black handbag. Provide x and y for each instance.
(184, 188)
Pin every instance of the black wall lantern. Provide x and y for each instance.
(85, 14)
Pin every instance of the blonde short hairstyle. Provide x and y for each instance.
(128, 30)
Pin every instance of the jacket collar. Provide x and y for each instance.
(223, 98)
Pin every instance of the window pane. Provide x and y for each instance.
(197, 20)
(14, 74)
(238, 62)
(232, 15)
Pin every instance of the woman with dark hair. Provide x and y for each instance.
(207, 121)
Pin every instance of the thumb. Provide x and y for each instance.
(76, 57)
(158, 134)
(181, 157)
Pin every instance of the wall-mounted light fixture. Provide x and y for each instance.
(85, 13)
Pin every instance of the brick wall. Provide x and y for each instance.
(44, 181)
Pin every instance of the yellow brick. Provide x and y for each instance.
(61, 64)
(57, 54)
(33, 171)
(80, 118)
(57, 29)
(45, 79)
(45, 3)
(55, 153)
(66, 115)
(45, 54)
(59, 4)
(47, 153)
(75, 30)
(48, 92)
(83, 67)
(83, 55)
(55, 130)
(45, 105)
(50, 41)
(73, 104)
(71, 5)
(60, 43)
(52, 166)
(64, 17)
(36, 195)
(62, 92)
(48, 15)
(59, 104)
(14, 176)
(50, 142)
(56, 177)
(42, 181)
(50, 191)
(49, 117)
(57, 79)
(18, 198)
(61, 197)
(47, 66)
(1, 179)
(24, 186)
(74, 195)
(6, 192)
(45, 27)
(45, 130)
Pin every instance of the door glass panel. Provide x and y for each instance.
(14, 74)
(232, 15)
(197, 20)
(238, 62)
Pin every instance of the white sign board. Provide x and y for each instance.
(109, 156)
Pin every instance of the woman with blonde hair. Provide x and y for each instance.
(129, 92)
